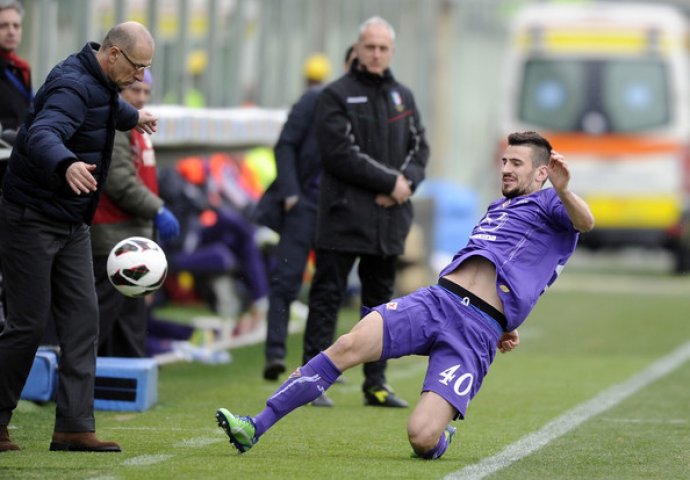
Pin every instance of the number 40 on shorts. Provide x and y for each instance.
(462, 385)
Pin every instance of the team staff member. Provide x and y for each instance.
(51, 189)
(290, 206)
(374, 153)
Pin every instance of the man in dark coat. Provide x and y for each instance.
(50, 191)
(290, 207)
(15, 73)
(374, 154)
(15, 88)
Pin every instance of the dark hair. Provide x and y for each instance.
(541, 146)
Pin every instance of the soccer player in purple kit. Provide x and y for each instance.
(514, 253)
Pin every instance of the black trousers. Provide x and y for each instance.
(291, 253)
(122, 330)
(377, 276)
(48, 270)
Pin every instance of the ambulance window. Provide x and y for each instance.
(553, 94)
(635, 95)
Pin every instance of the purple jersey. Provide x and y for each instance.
(529, 239)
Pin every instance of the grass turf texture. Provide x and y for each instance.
(588, 333)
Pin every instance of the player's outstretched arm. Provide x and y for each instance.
(577, 208)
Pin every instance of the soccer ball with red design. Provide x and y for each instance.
(137, 266)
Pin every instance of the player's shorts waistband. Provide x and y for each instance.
(471, 299)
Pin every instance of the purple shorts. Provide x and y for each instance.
(460, 341)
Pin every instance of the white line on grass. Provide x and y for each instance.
(574, 417)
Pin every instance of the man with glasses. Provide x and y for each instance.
(57, 169)
(139, 67)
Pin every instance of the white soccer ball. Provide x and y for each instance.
(137, 266)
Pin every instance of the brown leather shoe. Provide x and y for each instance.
(5, 443)
(81, 442)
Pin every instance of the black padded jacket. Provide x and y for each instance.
(369, 131)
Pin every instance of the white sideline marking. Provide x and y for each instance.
(143, 460)
(574, 417)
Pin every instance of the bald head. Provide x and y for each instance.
(126, 53)
(127, 36)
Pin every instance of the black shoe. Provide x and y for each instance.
(274, 368)
(322, 401)
(382, 396)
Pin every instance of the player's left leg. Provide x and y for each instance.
(428, 428)
(362, 344)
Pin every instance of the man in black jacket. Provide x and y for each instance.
(15, 73)
(15, 88)
(374, 153)
(49, 194)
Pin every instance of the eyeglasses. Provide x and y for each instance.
(137, 66)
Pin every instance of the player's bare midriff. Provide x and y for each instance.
(478, 275)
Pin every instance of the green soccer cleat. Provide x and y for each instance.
(450, 433)
(241, 430)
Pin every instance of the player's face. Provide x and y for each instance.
(518, 175)
(375, 49)
(10, 29)
(138, 94)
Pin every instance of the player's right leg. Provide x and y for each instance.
(428, 429)
(362, 344)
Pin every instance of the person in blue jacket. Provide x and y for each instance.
(49, 194)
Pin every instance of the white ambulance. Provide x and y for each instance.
(607, 84)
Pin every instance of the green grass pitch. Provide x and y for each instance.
(590, 332)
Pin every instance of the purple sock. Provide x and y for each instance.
(439, 449)
(304, 385)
